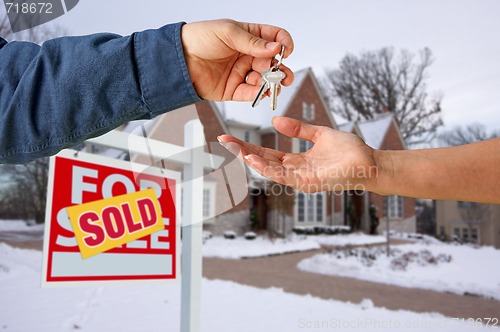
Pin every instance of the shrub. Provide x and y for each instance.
(250, 236)
(230, 235)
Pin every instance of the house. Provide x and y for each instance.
(237, 198)
(397, 212)
(468, 222)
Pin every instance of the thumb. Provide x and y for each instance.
(295, 128)
(247, 43)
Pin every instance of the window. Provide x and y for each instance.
(310, 207)
(456, 233)
(473, 235)
(393, 207)
(319, 207)
(300, 207)
(305, 145)
(467, 205)
(441, 231)
(465, 234)
(247, 135)
(208, 200)
(308, 111)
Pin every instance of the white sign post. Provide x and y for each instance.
(191, 268)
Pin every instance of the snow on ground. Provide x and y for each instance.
(18, 230)
(241, 248)
(262, 246)
(19, 226)
(471, 270)
(226, 306)
(353, 239)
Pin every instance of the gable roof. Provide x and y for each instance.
(373, 131)
(261, 116)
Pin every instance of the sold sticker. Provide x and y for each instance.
(108, 223)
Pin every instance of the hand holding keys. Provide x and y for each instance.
(271, 79)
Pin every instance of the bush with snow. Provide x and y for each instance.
(229, 235)
(250, 236)
(317, 230)
(400, 260)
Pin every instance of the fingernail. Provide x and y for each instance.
(272, 45)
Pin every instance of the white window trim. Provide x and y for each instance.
(249, 134)
(308, 111)
(211, 188)
(390, 214)
(323, 209)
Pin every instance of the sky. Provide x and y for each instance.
(463, 36)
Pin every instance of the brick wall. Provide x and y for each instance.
(308, 94)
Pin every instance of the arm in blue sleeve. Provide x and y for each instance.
(74, 88)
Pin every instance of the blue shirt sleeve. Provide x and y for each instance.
(70, 89)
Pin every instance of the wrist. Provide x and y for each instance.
(381, 182)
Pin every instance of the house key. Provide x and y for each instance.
(271, 80)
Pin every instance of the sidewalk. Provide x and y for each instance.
(281, 272)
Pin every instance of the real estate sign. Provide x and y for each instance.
(109, 202)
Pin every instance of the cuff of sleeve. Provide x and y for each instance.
(162, 71)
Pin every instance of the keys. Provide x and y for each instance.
(271, 80)
(263, 89)
(274, 79)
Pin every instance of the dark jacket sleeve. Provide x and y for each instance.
(74, 88)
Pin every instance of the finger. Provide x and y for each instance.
(249, 148)
(278, 172)
(273, 33)
(288, 80)
(263, 64)
(254, 78)
(273, 171)
(247, 91)
(260, 40)
(295, 128)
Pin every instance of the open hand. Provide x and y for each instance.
(338, 160)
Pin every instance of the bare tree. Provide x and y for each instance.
(468, 134)
(36, 35)
(382, 81)
(26, 193)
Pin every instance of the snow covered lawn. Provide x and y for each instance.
(19, 226)
(226, 306)
(261, 246)
(471, 270)
(353, 239)
(242, 248)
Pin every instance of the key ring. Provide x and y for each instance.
(280, 60)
